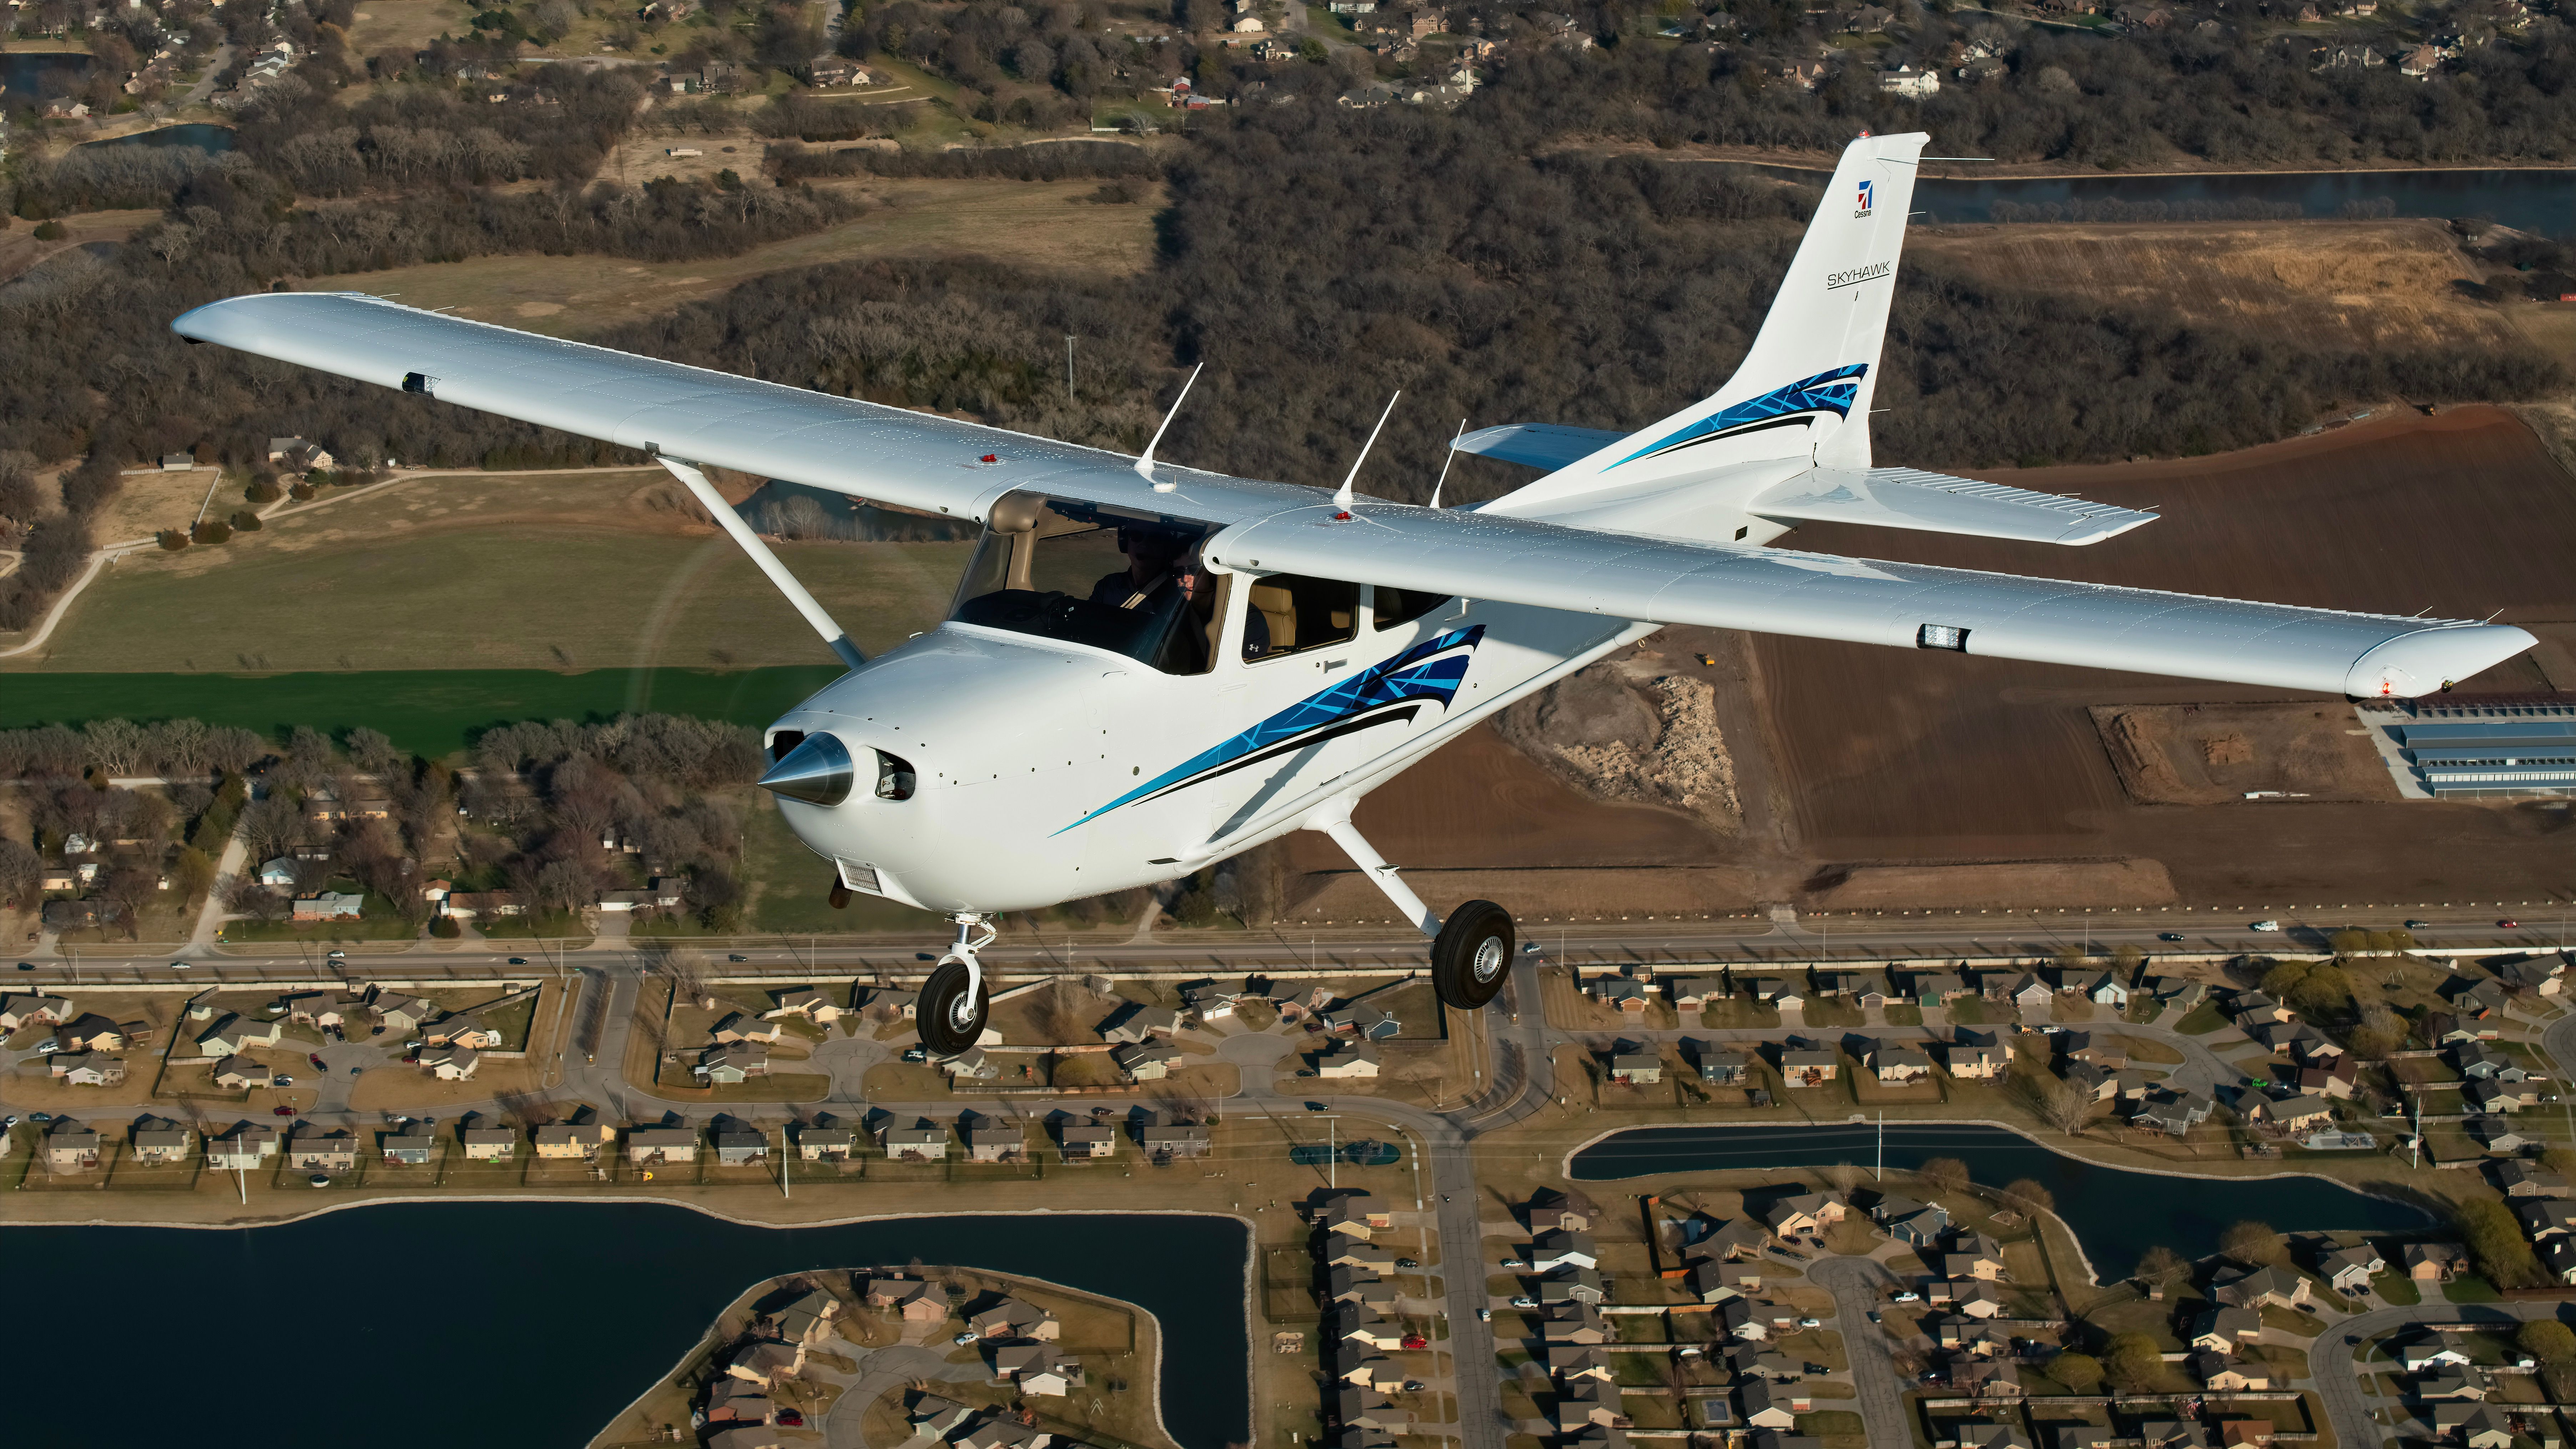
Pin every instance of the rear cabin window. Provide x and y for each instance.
(1289, 615)
(1393, 606)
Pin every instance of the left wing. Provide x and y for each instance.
(889, 454)
(1823, 596)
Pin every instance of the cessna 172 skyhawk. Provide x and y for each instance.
(1151, 667)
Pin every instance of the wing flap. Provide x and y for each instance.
(1939, 503)
(1865, 601)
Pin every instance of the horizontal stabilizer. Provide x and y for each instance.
(1538, 445)
(1939, 503)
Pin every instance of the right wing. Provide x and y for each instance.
(1823, 596)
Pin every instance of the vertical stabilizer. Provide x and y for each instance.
(1803, 392)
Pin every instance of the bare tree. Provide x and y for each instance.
(1844, 1176)
(1944, 1174)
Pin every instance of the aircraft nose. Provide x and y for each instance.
(818, 771)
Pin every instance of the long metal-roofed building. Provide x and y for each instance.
(2525, 749)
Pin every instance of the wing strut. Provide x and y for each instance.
(767, 562)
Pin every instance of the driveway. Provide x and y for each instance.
(1856, 1284)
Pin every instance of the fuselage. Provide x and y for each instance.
(1043, 770)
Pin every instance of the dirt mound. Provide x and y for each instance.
(2210, 754)
(1622, 730)
(2011, 885)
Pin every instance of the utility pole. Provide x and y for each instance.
(1881, 1175)
(785, 1157)
(1068, 369)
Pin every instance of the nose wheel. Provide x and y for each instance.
(954, 1001)
(1472, 954)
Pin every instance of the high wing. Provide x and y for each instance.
(888, 454)
(961, 469)
(1823, 596)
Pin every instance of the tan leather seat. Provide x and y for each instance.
(1279, 608)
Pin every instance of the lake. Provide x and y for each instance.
(427, 711)
(557, 1314)
(198, 134)
(2528, 200)
(2116, 1214)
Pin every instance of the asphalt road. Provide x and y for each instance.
(1856, 1284)
(1856, 938)
(2330, 1361)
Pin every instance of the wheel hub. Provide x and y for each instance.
(1489, 958)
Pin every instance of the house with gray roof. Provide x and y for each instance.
(157, 1141)
(241, 1147)
(413, 1145)
(311, 1149)
(660, 1146)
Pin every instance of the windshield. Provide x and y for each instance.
(1126, 582)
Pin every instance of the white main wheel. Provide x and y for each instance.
(1472, 955)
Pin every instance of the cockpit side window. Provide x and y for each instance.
(1128, 582)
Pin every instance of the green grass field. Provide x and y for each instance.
(428, 711)
(563, 599)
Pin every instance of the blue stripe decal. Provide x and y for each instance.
(1414, 674)
(1826, 392)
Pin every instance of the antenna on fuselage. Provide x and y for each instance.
(1445, 462)
(1145, 461)
(1342, 496)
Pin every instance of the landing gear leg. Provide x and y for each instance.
(954, 1001)
(839, 894)
(1471, 953)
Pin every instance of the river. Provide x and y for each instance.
(2116, 1214)
(539, 1322)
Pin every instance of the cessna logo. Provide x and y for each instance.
(1867, 188)
(1858, 275)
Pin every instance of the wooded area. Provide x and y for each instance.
(1316, 257)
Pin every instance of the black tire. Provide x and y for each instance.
(949, 1022)
(1473, 955)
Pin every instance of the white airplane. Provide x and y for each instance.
(1150, 667)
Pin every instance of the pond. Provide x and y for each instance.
(197, 134)
(559, 1314)
(2117, 1214)
(24, 72)
(2528, 200)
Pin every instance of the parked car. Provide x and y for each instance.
(737, 958)
(1874, 1316)
(316, 1059)
(518, 960)
(281, 1081)
(1414, 1340)
(916, 1054)
(1484, 1315)
(2168, 935)
(1515, 1263)
(791, 1419)
(337, 956)
(178, 965)
(2419, 925)
(40, 1116)
(1408, 1262)
(9, 1121)
(2510, 924)
(281, 1111)
(1524, 1301)
(1811, 1323)
(2267, 925)
(353, 1071)
(26, 965)
(965, 1338)
(1909, 1296)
